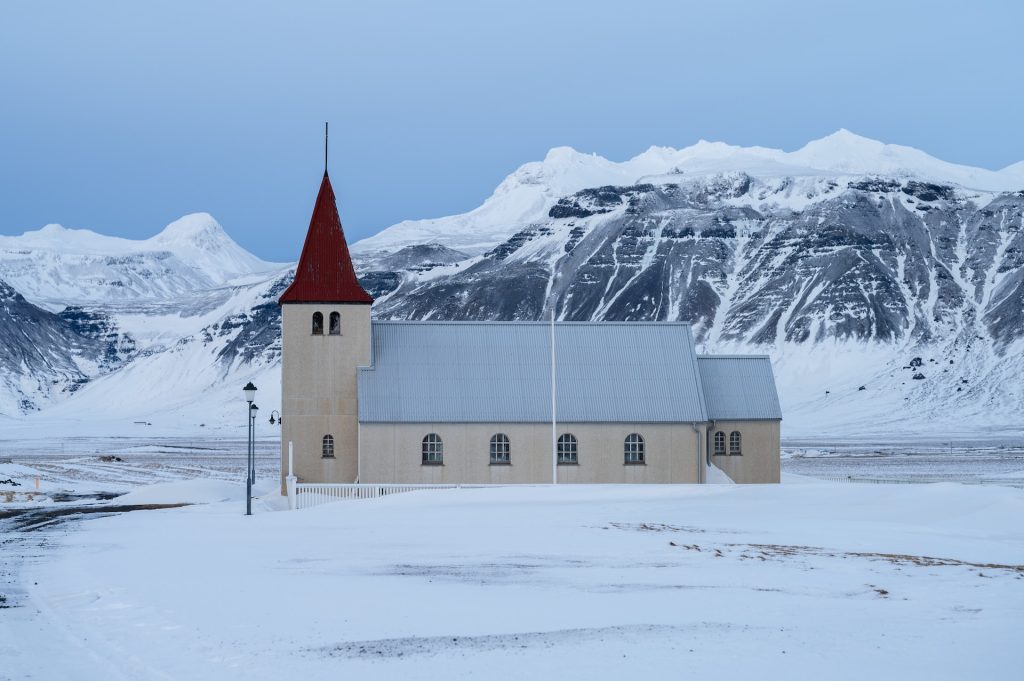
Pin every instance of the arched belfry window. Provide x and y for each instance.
(734, 443)
(633, 449)
(328, 447)
(318, 323)
(719, 443)
(335, 327)
(433, 450)
(568, 449)
(501, 449)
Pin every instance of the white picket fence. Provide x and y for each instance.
(309, 494)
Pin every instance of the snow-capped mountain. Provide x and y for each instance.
(887, 285)
(845, 292)
(56, 266)
(528, 194)
(97, 326)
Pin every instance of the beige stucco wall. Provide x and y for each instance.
(391, 453)
(318, 389)
(759, 461)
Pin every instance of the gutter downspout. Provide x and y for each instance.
(700, 470)
(707, 443)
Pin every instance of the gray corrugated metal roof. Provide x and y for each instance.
(739, 387)
(469, 372)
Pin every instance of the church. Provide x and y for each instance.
(494, 402)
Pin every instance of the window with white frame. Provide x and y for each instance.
(734, 443)
(719, 443)
(327, 448)
(433, 450)
(634, 449)
(335, 327)
(501, 450)
(568, 451)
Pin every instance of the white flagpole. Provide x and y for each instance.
(554, 414)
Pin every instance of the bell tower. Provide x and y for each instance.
(325, 338)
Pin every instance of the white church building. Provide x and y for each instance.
(403, 402)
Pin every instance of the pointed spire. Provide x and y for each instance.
(325, 148)
(325, 273)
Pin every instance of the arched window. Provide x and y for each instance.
(734, 443)
(568, 451)
(335, 327)
(328, 447)
(634, 448)
(719, 443)
(433, 450)
(501, 450)
(318, 323)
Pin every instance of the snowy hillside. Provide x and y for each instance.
(887, 285)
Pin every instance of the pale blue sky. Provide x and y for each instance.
(122, 116)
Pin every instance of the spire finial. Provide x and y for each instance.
(325, 147)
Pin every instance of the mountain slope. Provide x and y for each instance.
(46, 355)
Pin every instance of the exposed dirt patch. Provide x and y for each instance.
(424, 646)
(776, 551)
(30, 519)
(656, 527)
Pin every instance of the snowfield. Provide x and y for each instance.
(800, 580)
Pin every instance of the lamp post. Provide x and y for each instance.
(252, 438)
(250, 473)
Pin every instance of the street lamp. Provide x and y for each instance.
(280, 419)
(252, 459)
(250, 473)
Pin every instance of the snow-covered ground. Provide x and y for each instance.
(800, 580)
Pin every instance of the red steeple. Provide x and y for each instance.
(325, 273)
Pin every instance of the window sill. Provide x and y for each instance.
(327, 457)
(501, 463)
(432, 463)
(635, 463)
(568, 463)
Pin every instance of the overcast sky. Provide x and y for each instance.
(122, 116)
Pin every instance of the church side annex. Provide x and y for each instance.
(407, 402)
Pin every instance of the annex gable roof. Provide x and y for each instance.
(471, 372)
(739, 387)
